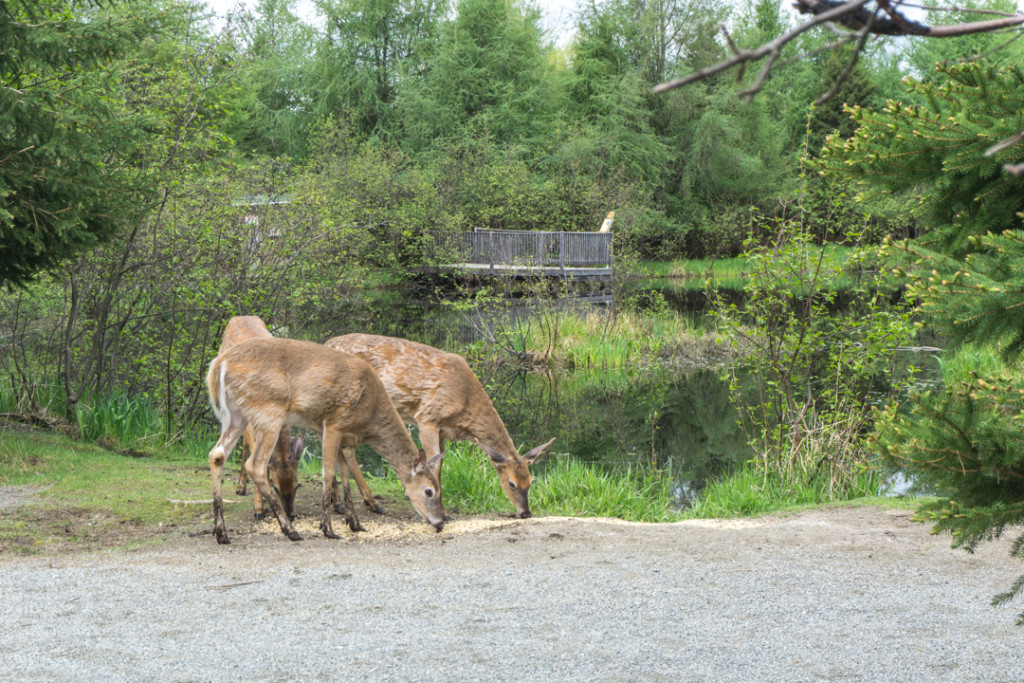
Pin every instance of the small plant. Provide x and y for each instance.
(814, 368)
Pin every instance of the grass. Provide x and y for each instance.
(595, 339)
(563, 487)
(84, 496)
(84, 492)
(747, 493)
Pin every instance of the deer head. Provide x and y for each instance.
(514, 474)
(285, 474)
(423, 490)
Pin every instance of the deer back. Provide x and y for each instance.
(241, 328)
(428, 385)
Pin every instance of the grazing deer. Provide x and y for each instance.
(287, 453)
(270, 383)
(438, 392)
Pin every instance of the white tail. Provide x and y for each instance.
(287, 453)
(439, 393)
(271, 383)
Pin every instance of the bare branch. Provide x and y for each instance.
(743, 56)
(954, 8)
(852, 15)
(1005, 144)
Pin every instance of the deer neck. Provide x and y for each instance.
(392, 442)
(485, 428)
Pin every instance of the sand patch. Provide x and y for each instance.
(386, 528)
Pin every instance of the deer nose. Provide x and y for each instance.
(438, 527)
(525, 514)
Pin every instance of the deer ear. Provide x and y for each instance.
(435, 463)
(421, 462)
(537, 453)
(298, 446)
(496, 457)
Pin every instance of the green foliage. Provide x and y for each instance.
(813, 367)
(749, 492)
(926, 58)
(964, 442)
(937, 151)
(63, 139)
(571, 487)
(487, 78)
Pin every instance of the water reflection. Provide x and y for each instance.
(655, 418)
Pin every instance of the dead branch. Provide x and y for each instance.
(208, 501)
(852, 15)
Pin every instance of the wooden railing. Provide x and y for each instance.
(521, 248)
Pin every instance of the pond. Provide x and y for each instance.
(680, 421)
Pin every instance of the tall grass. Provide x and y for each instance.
(597, 339)
(564, 487)
(133, 422)
(749, 492)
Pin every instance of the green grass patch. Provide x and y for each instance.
(563, 487)
(595, 339)
(82, 495)
(749, 493)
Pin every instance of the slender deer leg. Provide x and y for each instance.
(262, 447)
(331, 448)
(243, 479)
(364, 489)
(228, 437)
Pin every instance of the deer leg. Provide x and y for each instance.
(364, 488)
(257, 465)
(341, 498)
(331, 446)
(243, 478)
(228, 437)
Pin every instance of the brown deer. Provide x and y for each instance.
(438, 392)
(287, 452)
(271, 383)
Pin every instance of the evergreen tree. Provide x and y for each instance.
(966, 443)
(368, 47)
(59, 188)
(490, 77)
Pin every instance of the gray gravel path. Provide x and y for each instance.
(853, 594)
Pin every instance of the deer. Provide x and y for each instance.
(269, 384)
(438, 392)
(287, 452)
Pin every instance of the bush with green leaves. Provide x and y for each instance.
(814, 364)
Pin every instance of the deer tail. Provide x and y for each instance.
(215, 382)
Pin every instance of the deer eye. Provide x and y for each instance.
(429, 493)
(512, 484)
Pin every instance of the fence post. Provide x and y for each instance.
(561, 252)
(490, 249)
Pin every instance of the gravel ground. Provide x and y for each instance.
(854, 594)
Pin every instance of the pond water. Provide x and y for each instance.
(680, 421)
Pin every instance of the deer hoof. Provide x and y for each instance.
(293, 535)
(328, 530)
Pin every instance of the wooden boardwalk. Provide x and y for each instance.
(521, 253)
